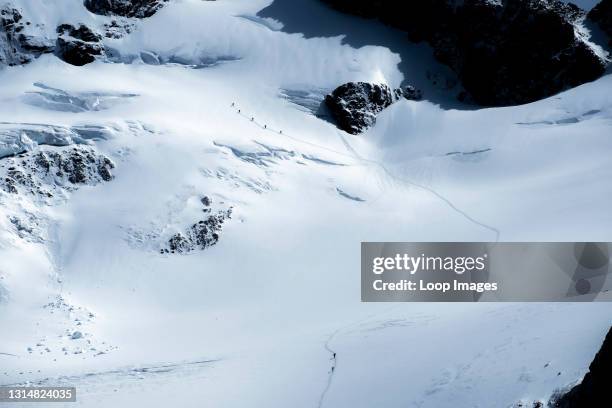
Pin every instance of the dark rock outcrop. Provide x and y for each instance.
(78, 45)
(17, 48)
(201, 235)
(355, 105)
(504, 52)
(602, 15)
(594, 390)
(48, 170)
(125, 8)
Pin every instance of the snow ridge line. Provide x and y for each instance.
(447, 201)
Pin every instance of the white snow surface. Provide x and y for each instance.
(253, 321)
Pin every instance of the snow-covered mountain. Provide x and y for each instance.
(181, 218)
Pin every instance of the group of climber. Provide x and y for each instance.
(253, 118)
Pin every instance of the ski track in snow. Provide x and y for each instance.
(355, 156)
(332, 370)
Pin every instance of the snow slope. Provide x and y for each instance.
(254, 320)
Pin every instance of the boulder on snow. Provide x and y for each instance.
(17, 48)
(125, 8)
(504, 52)
(593, 391)
(78, 45)
(355, 105)
(602, 15)
(76, 335)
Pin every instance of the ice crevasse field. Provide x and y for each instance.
(253, 320)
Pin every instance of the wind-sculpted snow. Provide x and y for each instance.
(154, 58)
(130, 375)
(18, 138)
(234, 179)
(50, 98)
(259, 154)
(311, 100)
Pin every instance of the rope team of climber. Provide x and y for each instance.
(264, 126)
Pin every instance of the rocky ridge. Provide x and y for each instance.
(125, 8)
(487, 43)
(602, 16)
(593, 391)
(17, 48)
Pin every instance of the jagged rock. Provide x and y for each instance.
(602, 15)
(17, 48)
(536, 404)
(504, 52)
(78, 46)
(125, 8)
(117, 29)
(45, 171)
(354, 105)
(412, 94)
(200, 235)
(593, 391)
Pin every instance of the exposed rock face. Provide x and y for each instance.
(118, 29)
(44, 172)
(505, 52)
(125, 8)
(602, 15)
(355, 105)
(201, 235)
(594, 390)
(17, 48)
(78, 46)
